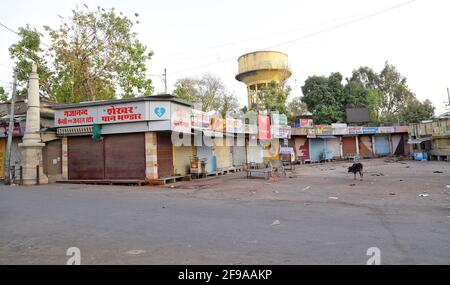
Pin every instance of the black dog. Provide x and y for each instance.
(356, 167)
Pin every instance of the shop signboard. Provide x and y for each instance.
(76, 117)
(279, 120)
(311, 133)
(181, 118)
(159, 111)
(385, 130)
(200, 120)
(370, 130)
(323, 130)
(355, 130)
(281, 132)
(122, 113)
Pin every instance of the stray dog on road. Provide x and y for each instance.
(356, 167)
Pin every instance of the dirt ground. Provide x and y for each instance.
(385, 181)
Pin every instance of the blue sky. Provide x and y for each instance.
(187, 34)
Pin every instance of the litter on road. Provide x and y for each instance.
(424, 195)
(275, 223)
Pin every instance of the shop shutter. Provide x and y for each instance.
(398, 147)
(165, 155)
(302, 148)
(349, 146)
(254, 154)
(86, 158)
(51, 156)
(223, 156)
(334, 146)
(365, 146)
(317, 148)
(382, 145)
(125, 156)
(182, 159)
(205, 153)
(239, 154)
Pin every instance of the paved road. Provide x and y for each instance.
(113, 225)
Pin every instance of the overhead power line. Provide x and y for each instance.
(307, 36)
(11, 30)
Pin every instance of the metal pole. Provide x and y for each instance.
(10, 133)
(165, 81)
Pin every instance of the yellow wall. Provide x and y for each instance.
(2, 156)
(182, 156)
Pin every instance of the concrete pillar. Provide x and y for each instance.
(373, 145)
(65, 159)
(357, 144)
(31, 143)
(151, 156)
(341, 147)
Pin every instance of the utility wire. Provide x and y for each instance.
(256, 38)
(308, 35)
(11, 30)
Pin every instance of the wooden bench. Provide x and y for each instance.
(265, 171)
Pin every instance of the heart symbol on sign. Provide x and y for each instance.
(160, 111)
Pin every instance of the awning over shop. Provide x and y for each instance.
(326, 137)
(418, 141)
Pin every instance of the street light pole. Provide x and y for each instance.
(10, 133)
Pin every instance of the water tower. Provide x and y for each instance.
(257, 69)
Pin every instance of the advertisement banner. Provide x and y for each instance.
(306, 123)
(323, 130)
(263, 127)
(200, 120)
(217, 124)
(311, 133)
(281, 132)
(279, 120)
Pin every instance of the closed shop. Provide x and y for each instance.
(239, 154)
(365, 146)
(382, 145)
(125, 156)
(223, 154)
(348, 146)
(400, 144)
(86, 158)
(2, 156)
(334, 146)
(164, 154)
(182, 156)
(302, 148)
(205, 153)
(52, 157)
(316, 148)
(254, 154)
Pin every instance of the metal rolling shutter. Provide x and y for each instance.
(52, 157)
(334, 146)
(349, 146)
(223, 155)
(182, 159)
(86, 158)
(205, 153)
(302, 148)
(165, 154)
(365, 146)
(317, 147)
(125, 156)
(382, 145)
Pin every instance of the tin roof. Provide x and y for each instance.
(165, 97)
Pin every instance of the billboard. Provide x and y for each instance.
(357, 115)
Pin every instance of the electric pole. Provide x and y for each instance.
(165, 81)
(10, 133)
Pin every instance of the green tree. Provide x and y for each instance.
(296, 108)
(395, 91)
(26, 51)
(273, 98)
(325, 98)
(206, 93)
(415, 111)
(97, 56)
(3, 96)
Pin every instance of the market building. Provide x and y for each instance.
(124, 139)
(430, 139)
